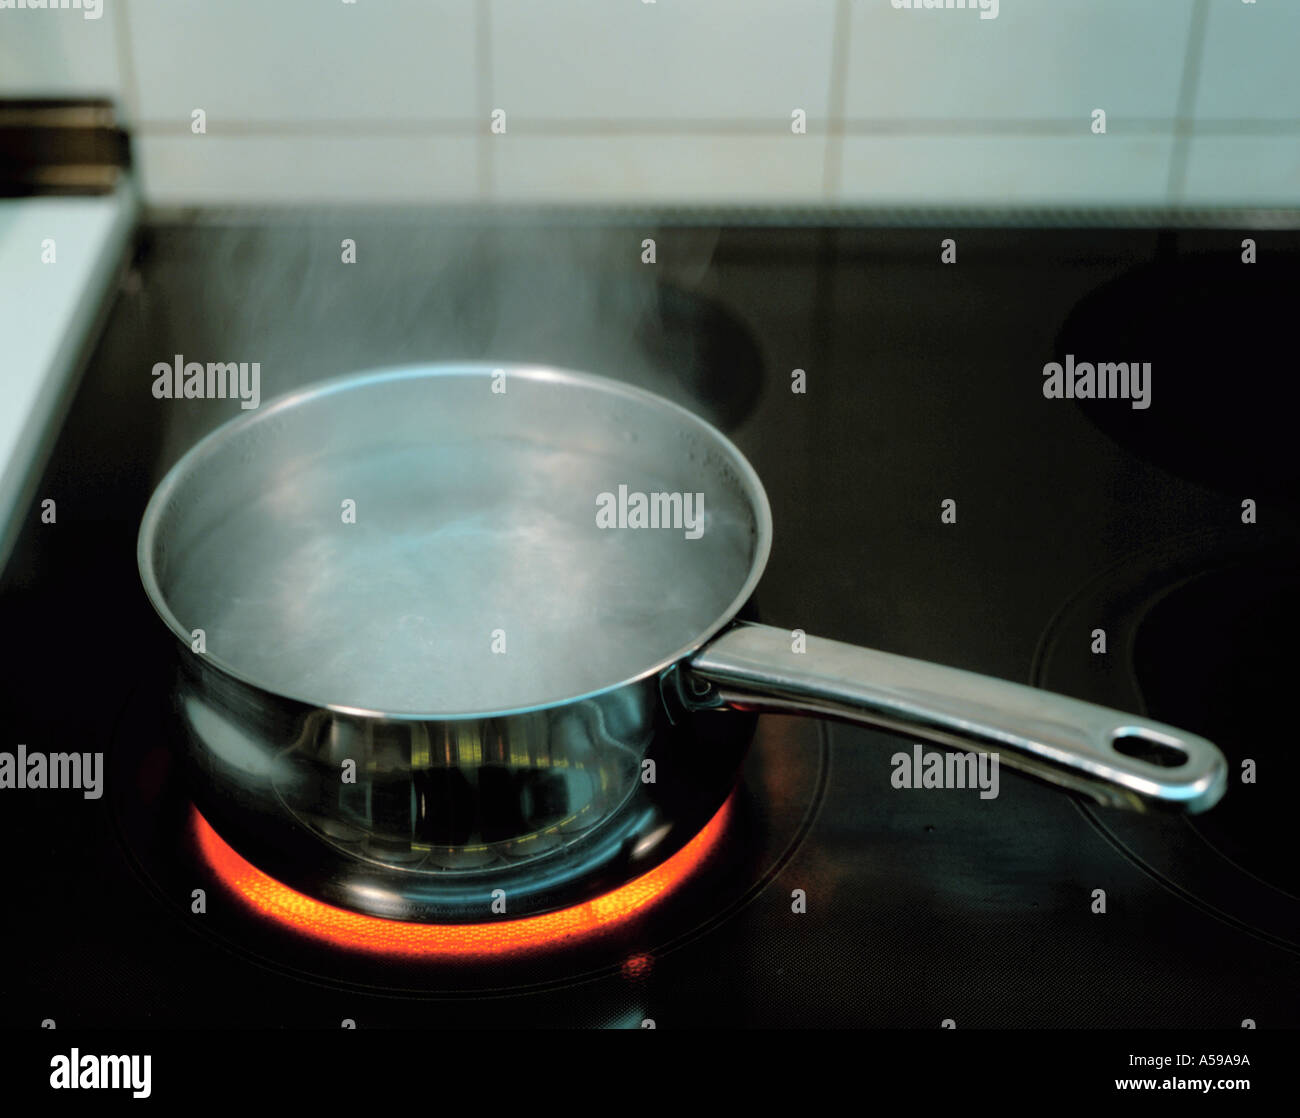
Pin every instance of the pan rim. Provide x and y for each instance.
(211, 444)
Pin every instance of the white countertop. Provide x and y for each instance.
(47, 311)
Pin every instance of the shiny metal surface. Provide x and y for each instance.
(1062, 740)
(458, 692)
(453, 821)
(468, 576)
(452, 698)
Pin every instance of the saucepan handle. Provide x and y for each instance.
(1117, 759)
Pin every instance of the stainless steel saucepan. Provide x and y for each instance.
(455, 629)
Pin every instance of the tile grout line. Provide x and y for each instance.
(126, 64)
(735, 129)
(1184, 125)
(833, 167)
(484, 156)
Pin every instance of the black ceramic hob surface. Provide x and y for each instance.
(923, 384)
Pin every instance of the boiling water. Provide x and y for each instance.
(463, 579)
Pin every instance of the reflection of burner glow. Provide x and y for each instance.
(637, 967)
(567, 927)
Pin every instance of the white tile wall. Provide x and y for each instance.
(1249, 69)
(687, 100)
(1038, 60)
(59, 52)
(1257, 170)
(251, 61)
(703, 169)
(1008, 170)
(673, 60)
(1246, 145)
(215, 169)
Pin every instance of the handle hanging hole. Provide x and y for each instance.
(1142, 745)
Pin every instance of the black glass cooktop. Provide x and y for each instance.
(826, 896)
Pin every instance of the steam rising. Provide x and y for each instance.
(276, 290)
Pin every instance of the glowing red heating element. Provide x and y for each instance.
(567, 927)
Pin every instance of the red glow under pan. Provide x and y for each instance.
(355, 932)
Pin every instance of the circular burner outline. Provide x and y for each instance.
(1117, 595)
(653, 947)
